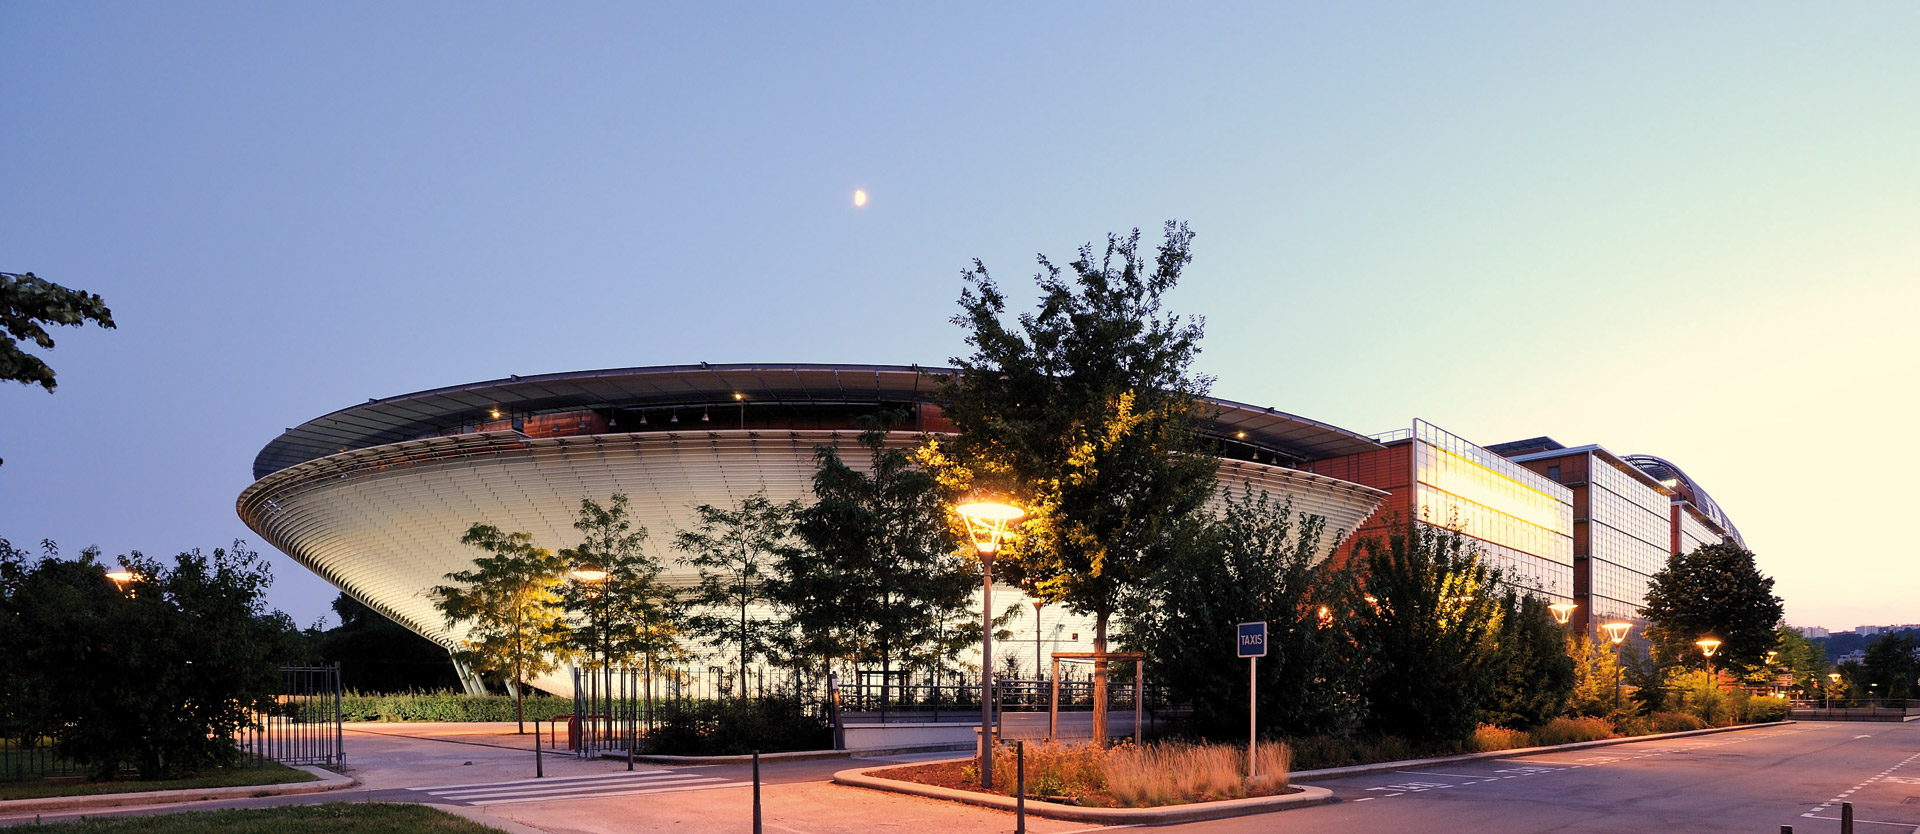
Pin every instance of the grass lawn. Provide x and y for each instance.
(330, 818)
(273, 774)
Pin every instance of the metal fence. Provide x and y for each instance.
(302, 727)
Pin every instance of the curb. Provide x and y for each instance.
(1381, 767)
(1302, 796)
(328, 781)
(793, 756)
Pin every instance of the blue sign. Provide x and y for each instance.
(1253, 639)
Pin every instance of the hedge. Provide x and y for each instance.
(448, 706)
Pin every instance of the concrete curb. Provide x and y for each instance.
(328, 781)
(793, 756)
(1301, 797)
(1381, 767)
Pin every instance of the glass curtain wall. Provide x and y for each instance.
(1628, 527)
(1523, 521)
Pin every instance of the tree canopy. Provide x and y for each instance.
(1717, 591)
(1082, 412)
(629, 613)
(27, 304)
(735, 550)
(511, 607)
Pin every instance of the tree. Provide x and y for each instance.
(1257, 560)
(630, 614)
(880, 575)
(1597, 679)
(1804, 659)
(1533, 676)
(1891, 667)
(1082, 411)
(509, 603)
(159, 675)
(1715, 590)
(1430, 607)
(734, 550)
(379, 655)
(27, 303)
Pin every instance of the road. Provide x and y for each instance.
(1751, 781)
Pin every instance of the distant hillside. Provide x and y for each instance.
(1847, 642)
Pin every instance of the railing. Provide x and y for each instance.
(1855, 709)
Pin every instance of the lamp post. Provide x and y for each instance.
(1709, 645)
(595, 580)
(1562, 611)
(1834, 678)
(1617, 632)
(987, 524)
(1036, 638)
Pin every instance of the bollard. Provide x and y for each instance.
(756, 792)
(1846, 818)
(1786, 829)
(539, 767)
(1020, 787)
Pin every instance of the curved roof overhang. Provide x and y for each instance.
(410, 416)
(1666, 472)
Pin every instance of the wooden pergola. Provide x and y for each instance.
(1139, 689)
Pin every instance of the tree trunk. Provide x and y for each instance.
(743, 643)
(1100, 678)
(519, 703)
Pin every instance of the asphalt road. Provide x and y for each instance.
(1753, 781)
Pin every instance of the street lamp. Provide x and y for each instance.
(1562, 611)
(1616, 632)
(595, 580)
(1036, 639)
(1835, 678)
(987, 525)
(1708, 646)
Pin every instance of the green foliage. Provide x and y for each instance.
(1805, 659)
(326, 818)
(155, 677)
(734, 551)
(1425, 631)
(1676, 722)
(1762, 710)
(1891, 666)
(1716, 590)
(379, 655)
(1597, 679)
(1255, 561)
(1698, 694)
(732, 727)
(515, 625)
(26, 304)
(449, 706)
(1572, 730)
(628, 615)
(1532, 674)
(879, 581)
(1082, 413)
(245, 773)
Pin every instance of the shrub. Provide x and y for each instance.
(1760, 710)
(732, 727)
(1632, 725)
(1570, 730)
(1490, 738)
(447, 706)
(1314, 752)
(1176, 772)
(1674, 722)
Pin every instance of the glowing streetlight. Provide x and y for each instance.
(1835, 678)
(1709, 645)
(1562, 611)
(120, 577)
(1617, 633)
(987, 523)
(594, 578)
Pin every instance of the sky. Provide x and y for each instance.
(1688, 230)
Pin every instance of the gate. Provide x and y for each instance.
(303, 725)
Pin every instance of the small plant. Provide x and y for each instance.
(1570, 730)
(1674, 722)
(1632, 725)
(1489, 738)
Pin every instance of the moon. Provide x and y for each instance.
(859, 197)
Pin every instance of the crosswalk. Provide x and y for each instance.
(575, 787)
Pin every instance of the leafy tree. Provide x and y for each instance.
(157, 676)
(880, 575)
(735, 551)
(1891, 667)
(27, 303)
(379, 655)
(1597, 679)
(630, 614)
(1805, 659)
(1715, 590)
(1430, 609)
(1082, 411)
(510, 605)
(1257, 560)
(1533, 676)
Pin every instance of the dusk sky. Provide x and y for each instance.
(1688, 230)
